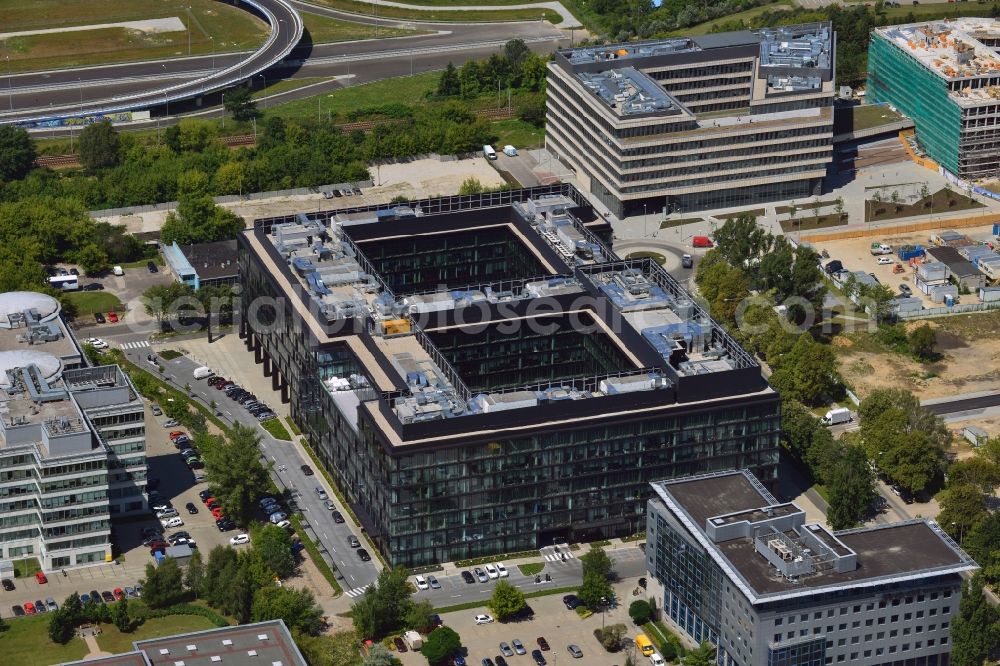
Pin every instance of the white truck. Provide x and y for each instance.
(414, 640)
(837, 416)
(880, 248)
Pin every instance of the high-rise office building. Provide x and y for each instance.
(691, 123)
(72, 441)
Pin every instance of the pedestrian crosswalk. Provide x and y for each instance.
(358, 591)
(557, 553)
(138, 344)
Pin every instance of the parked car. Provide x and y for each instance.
(130, 592)
(29, 608)
(51, 605)
(337, 516)
(518, 646)
(537, 656)
(95, 595)
(330, 506)
(155, 408)
(171, 423)
(17, 610)
(884, 261)
(307, 470)
(94, 286)
(572, 602)
(505, 649)
(501, 569)
(543, 644)
(173, 538)
(205, 494)
(40, 577)
(191, 508)
(277, 517)
(119, 593)
(176, 521)
(99, 318)
(353, 542)
(481, 575)
(113, 317)
(491, 571)
(421, 583)
(574, 651)
(400, 644)
(433, 582)
(905, 290)
(151, 267)
(363, 554)
(467, 577)
(96, 343)
(483, 619)
(240, 539)
(225, 524)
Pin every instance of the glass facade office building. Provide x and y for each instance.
(944, 75)
(735, 567)
(451, 439)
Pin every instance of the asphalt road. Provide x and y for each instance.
(286, 27)
(286, 471)
(364, 61)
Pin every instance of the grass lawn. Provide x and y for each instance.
(755, 212)
(519, 134)
(808, 205)
(823, 492)
(115, 641)
(669, 224)
(276, 429)
(484, 15)
(89, 302)
(169, 354)
(26, 641)
(26, 567)
(939, 202)
(231, 28)
(655, 256)
(158, 260)
(814, 222)
(744, 17)
(873, 115)
(410, 90)
(324, 30)
(532, 568)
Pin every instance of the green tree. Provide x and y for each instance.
(703, 655)
(507, 601)
(922, 340)
(448, 84)
(233, 464)
(742, 243)
(379, 655)
(468, 78)
(120, 617)
(194, 577)
(441, 644)
(240, 103)
(384, 605)
(962, 507)
(339, 649)
(639, 611)
(61, 627)
(470, 185)
(163, 585)
(297, 607)
(93, 260)
(596, 561)
(593, 589)
(274, 545)
(977, 471)
(807, 373)
(17, 153)
(851, 489)
(420, 616)
(725, 288)
(974, 632)
(100, 147)
(982, 542)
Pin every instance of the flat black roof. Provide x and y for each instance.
(912, 548)
(213, 260)
(950, 257)
(882, 551)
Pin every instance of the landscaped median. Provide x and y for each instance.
(418, 13)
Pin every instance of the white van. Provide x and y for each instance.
(118, 270)
(656, 660)
(489, 152)
(510, 151)
(203, 372)
(837, 416)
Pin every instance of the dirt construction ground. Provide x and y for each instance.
(970, 359)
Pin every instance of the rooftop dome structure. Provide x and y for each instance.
(15, 302)
(49, 364)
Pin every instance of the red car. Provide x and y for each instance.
(209, 500)
(119, 593)
(40, 577)
(175, 434)
(112, 317)
(218, 512)
(29, 608)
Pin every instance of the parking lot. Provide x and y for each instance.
(551, 620)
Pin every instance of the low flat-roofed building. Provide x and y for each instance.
(203, 264)
(739, 569)
(960, 269)
(268, 643)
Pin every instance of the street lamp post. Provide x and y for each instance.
(213, 52)
(189, 30)
(10, 93)
(223, 110)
